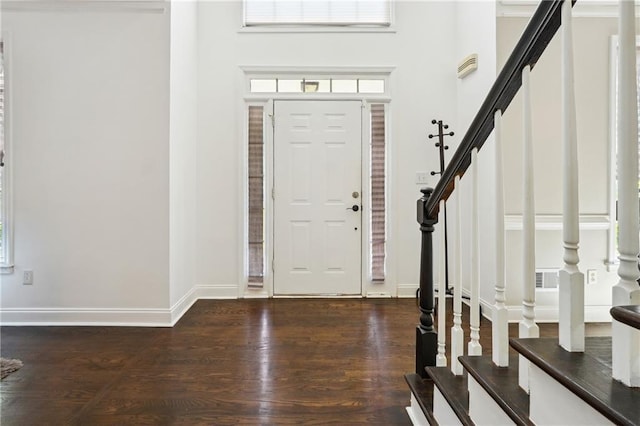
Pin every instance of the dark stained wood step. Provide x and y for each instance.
(629, 315)
(501, 383)
(587, 375)
(422, 389)
(454, 390)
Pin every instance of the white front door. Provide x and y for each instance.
(317, 189)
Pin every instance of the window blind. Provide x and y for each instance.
(378, 196)
(256, 196)
(317, 12)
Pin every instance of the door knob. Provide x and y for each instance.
(355, 208)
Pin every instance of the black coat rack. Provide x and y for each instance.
(441, 149)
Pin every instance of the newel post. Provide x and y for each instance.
(426, 336)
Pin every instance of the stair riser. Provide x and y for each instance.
(552, 404)
(483, 409)
(415, 413)
(442, 410)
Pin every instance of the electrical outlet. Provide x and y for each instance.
(592, 276)
(27, 277)
(422, 177)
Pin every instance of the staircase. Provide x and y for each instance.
(568, 380)
(566, 388)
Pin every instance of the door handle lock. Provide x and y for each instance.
(355, 208)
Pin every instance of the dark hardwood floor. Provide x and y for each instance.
(283, 361)
(278, 361)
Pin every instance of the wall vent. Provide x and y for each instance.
(546, 278)
(468, 65)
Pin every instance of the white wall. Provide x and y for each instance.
(90, 121)
(421, 87)
(591, 43)
(183, 135)
(109, 193)
(127, 144)
(476, 33)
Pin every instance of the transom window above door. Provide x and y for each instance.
(321, 85)
(372, 13)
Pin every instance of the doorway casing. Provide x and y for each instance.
(266, 100)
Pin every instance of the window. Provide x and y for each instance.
(317, 12)
(256, 212)
(5, 223)
(322, 85)
(378, 193)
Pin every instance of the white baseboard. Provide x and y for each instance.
(85, 316)
(117, 317)
(182, 306)
(550, 313)
(378, 295)
(150, 317)
(221, 291)
(592, 313)
(407, 290)
(256, 293)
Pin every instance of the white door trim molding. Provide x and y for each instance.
(245, 72)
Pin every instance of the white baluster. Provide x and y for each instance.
(528, 327)
(474, 347)
(500, 323)
(626, 341)
(457, 334)
(571, 280)
(441, 358)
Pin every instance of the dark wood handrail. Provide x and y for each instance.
(629, 315)
(535, 38)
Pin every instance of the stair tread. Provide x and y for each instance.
(422, 389)
(588, 375)
(501, 383)
(454, 389)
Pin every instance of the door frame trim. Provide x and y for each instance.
(266, 100)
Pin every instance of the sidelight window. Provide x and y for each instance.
(256, 216)
(378, 193)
